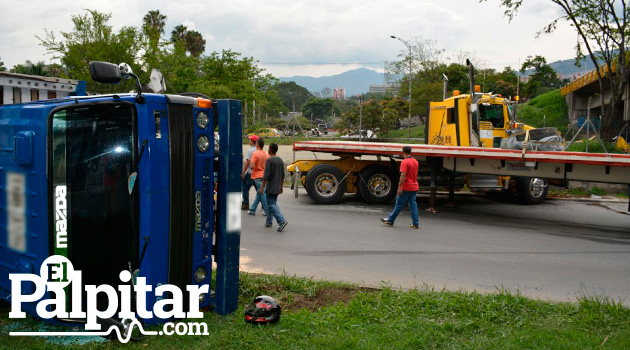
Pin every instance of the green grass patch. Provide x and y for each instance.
(326, 315)
(416, 132)
(548, 109)
(594, 146)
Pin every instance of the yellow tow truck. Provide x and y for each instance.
(463, 120)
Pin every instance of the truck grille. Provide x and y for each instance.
(181, 144)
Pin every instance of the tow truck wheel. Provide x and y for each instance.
(532, 190)
(378, 184)
(325, 184)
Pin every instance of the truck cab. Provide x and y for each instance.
(123, 182)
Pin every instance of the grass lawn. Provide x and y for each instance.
(416, 132)
(325, 315)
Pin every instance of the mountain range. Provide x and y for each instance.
(358, 81)
(355, 81)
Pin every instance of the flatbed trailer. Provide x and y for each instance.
(594, 167)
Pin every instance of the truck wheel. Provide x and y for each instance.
(325, 184)
(378, 184)
(532, 190)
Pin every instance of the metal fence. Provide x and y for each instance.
(589, 131)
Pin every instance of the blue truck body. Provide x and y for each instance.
(138, 193)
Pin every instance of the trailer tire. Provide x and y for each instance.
(378, 184)
(532, 190)
(325, 184)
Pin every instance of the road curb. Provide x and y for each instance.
(580, 200)
(589, 200)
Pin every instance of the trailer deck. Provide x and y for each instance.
(597, 167)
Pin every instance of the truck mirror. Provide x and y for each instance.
(105, 72)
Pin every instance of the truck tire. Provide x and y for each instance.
(378, 184)
(532, 190)
(325, 184)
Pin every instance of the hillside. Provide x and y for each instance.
(354, 81)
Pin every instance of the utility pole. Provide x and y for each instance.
(409, 81)
(360, 116)
(254, 104)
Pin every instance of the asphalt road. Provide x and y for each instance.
(559, 250)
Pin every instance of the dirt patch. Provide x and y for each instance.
(324, 297)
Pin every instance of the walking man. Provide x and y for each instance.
(259, 159)
(246, 175)
(273, 179)
(407, 190)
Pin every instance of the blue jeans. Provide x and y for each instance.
(404, 198)
(247, 185)
(259, 198)
(274, 210)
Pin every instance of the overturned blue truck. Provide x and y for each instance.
(122, 182)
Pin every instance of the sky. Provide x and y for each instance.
(311, 38)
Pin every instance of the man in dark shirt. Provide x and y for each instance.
(273, 178)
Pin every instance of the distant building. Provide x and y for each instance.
(339, 94)
(21, 88)
(384, 89)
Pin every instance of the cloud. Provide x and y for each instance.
(306, 32)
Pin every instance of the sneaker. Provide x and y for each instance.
(251, 213)
(268, 225)
(244, 206)
(264, 214)
(387, 222)
(413, 226)
(282, 226)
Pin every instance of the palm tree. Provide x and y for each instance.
(179, 33)
(195, 43)
(153, 23)
(153, 27)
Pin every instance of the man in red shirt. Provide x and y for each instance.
(407, 190)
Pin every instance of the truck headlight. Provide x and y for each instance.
(203, 144)
(200, 274)
(202, 120)
(202, 298)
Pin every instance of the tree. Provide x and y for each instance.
(192, 40)
(179, 34)
(603, 28)
(92, 39)
(395, 110)
(31, 68)
(153, 24)
(320, 108)
(195, 43)
(543, 77)
(2, 67)
(292, 95)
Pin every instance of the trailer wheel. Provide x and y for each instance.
(532, 190)
(325, 184)
(378, 184)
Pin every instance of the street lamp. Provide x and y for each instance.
(410, 77)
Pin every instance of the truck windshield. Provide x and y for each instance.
(492, 113)
(92, 157)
